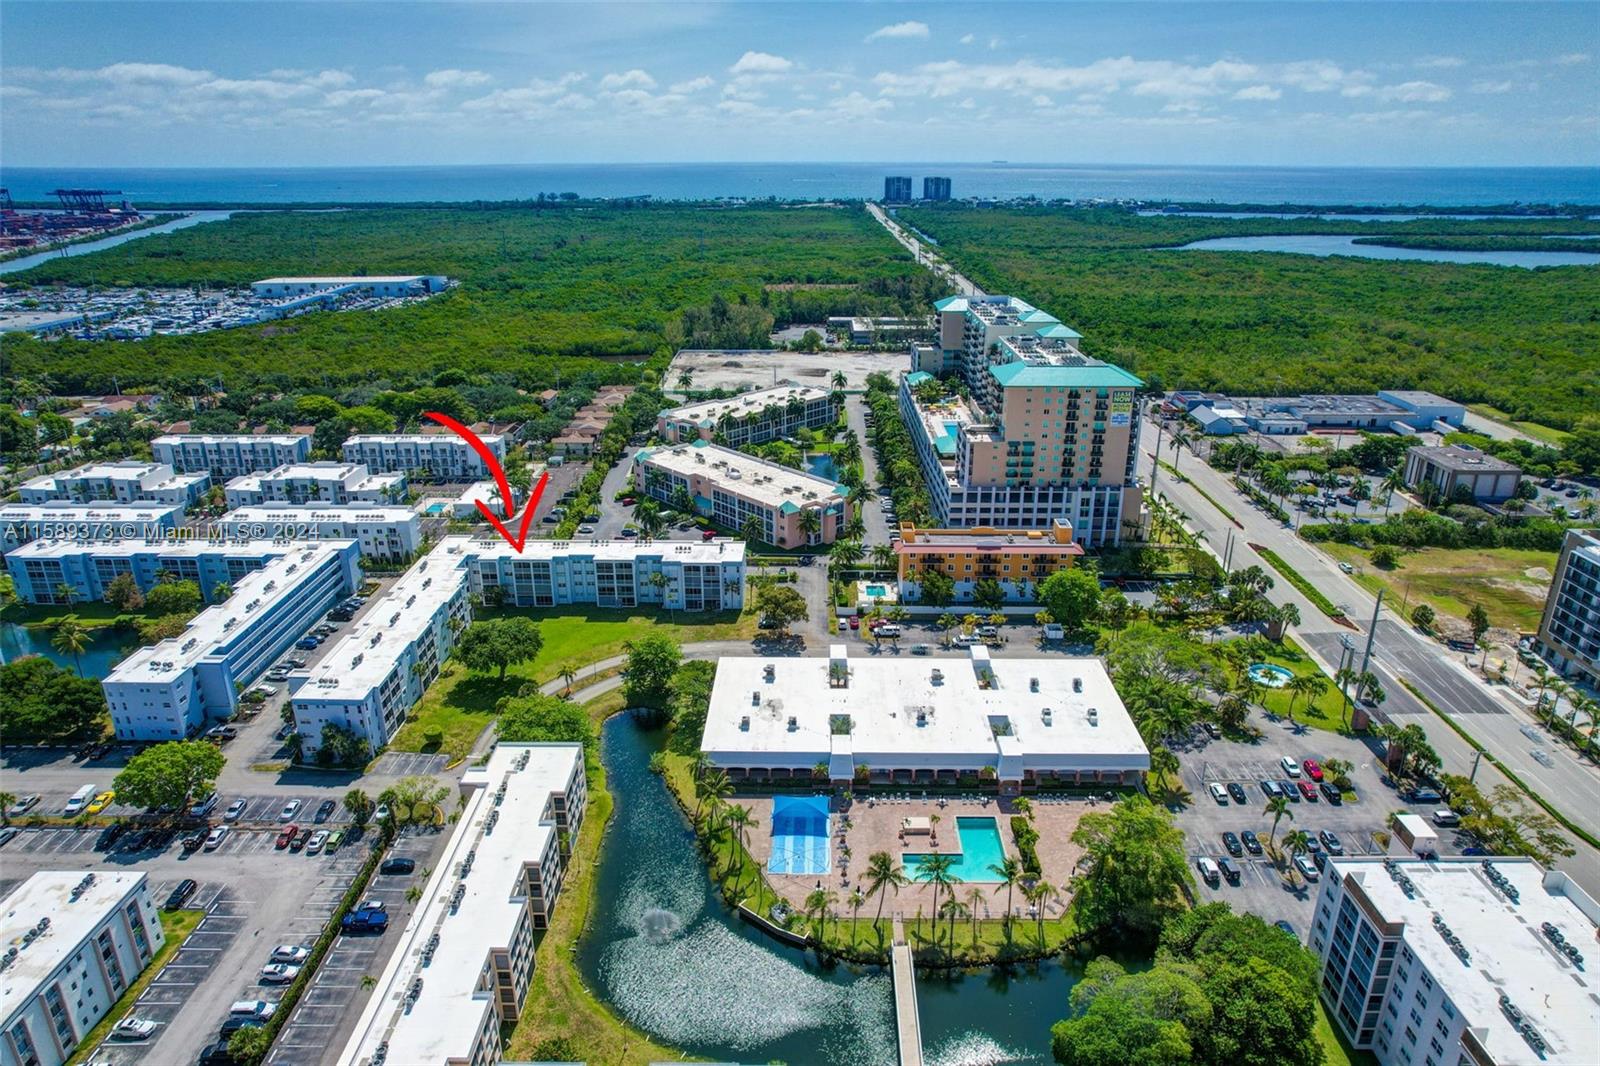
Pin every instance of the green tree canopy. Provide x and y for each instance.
(780, 606)
(40, 701)
(173, 597)
(652, 663)
(170, 774)
(1133, 869)
(1070, 596)
(498, 644)
(1149, 1018)
(537, 718)
(123, 593)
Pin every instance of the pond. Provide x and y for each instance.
(822, 465)
(106, 647)
(666, 954)
(1332, 244)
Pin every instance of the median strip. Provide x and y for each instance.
(1298, 580)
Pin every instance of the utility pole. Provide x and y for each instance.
(1155, 466)
(1372, 632)
(1476, 756)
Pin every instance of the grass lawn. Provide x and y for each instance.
(1325, 712)
(1335, 1050)
(460, 704)
(91, 615)
(1547, 434)
(1511, 583)
(176, 925)
(558, 1004)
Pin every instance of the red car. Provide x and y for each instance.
(1313, 771)
(709, 534)
(629, 501)
(855, 622)
(287, 835)
(1308, 790)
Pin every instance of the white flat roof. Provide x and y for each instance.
(420, 438)
(744, 404)
(444, 1019)
(744, 475)
(319, 512)
(343, 279)
(172, 547)
(720, 550)
(1506, 948)
(72, 511)
(253, 594)
(132, 468)
(361, 658)
(48, 894)
(231, 438)
(885, 695)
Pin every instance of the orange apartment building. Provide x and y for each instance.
(1017, 558)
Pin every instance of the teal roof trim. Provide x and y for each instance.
(1036, 315)
(917, 377)
(1104, 376)
(1058, 330)
(787, 508)
(951, 303)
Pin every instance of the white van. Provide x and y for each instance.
(1446, 817)
(253, 1008)
(964, 640)
(1290, 767)
(80, 799)
(1208, 871)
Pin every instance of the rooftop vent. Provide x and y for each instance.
(1077, 684)
(794, 723)
(1033, 684)
(1048, 716)
(744, 723)
(1094, 716)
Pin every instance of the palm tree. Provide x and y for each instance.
(6, 800)
(839, 380)
(1009, 871)
(946, 623)
(1311, 686)
(1298, 841)
(66, 593)
(1040, 893)
(883, 557)
(712, 785)
(975, 899)
(818, 904)
(1278, 807)
(71, 638)
(955, 910)
(752, 529)
(810, 522)
(936, 869)
(845, 553)
(739, 820)
(883, 873)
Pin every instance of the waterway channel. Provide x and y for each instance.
(184, 221)
(1324, 244)
(666, 954)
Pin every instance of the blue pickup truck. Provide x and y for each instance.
(365, 920)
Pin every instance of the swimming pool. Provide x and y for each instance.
(799, 835)
(435, 508)
(877, 591)
(980, 849)
(1270, 674)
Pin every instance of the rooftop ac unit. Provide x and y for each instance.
(1077, 684)
(1033, 684)
(1094, 716)
(744, 723)
(794, 724)
(1048, 715)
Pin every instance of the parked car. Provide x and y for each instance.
(8, 834)
(1218, 793)
(220, 734)
(1230, 869)
(381, 814)
(192, 843)
(1236, 790)
(101, 802)
(335, 839)
(22, 806)
(255, 1009)
(397, 864)
(1271, 788)
(1308, 790)
(285, 837)
(364, 921)
(1208, 871)
(1446, 817)
(1230, 840)
(308, 643)
(288, 810)
(1330, 793)
(1287, 928)
(204, 806)
(1421, 794)
(1252, 843)
(297, 662)
(279, 973)
(1307, 868)
(180, 895)
(1290, 767)
(131, 1029)
(299, 840)
(215, 838)
(922, 649)
(318, 839)
(1331, 841)
(235, 811)
(1291, 789)
(325, 811)
(291, 953)
(108, 836)
(1313, 769)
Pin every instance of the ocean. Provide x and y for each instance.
(1374, 186)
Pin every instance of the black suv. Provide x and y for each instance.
(397, 865)
(1231, 842)
(181, 894)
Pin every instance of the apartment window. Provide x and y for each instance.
(1411, 1036)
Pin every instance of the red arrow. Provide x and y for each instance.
(506, 498)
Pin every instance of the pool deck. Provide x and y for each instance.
(875, 826)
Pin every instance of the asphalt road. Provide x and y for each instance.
(878, 530)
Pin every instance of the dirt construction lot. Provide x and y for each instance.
(761, 369)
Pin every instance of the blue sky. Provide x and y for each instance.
(153, 84)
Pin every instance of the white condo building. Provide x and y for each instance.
(123, 482)
(74, 942)
(386, 285)
(751, 417)
(1026, 721)
(169, 690)
(465, 962)
(388, 533)
(1454, 961)
(694, 576)
(226, 455)
(425, 456)
(321, 482)
(66, 520)
(379, 669)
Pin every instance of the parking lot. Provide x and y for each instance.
(1263, 889)
(255, 897)
(328, 1010)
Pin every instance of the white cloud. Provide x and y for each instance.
(456, 79)
(531, 98)
(1323, 76)
(900, 31)
(693, 85)
(1258, 92)
(1440, 62)
(151, 74)
(628, 79)
(1027, 77)
(856, 105)
(258, 88)
(1571, 59)
(967, 38)
(1493, 87)
(760, 63)
(1415, 92)
(326, 79)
